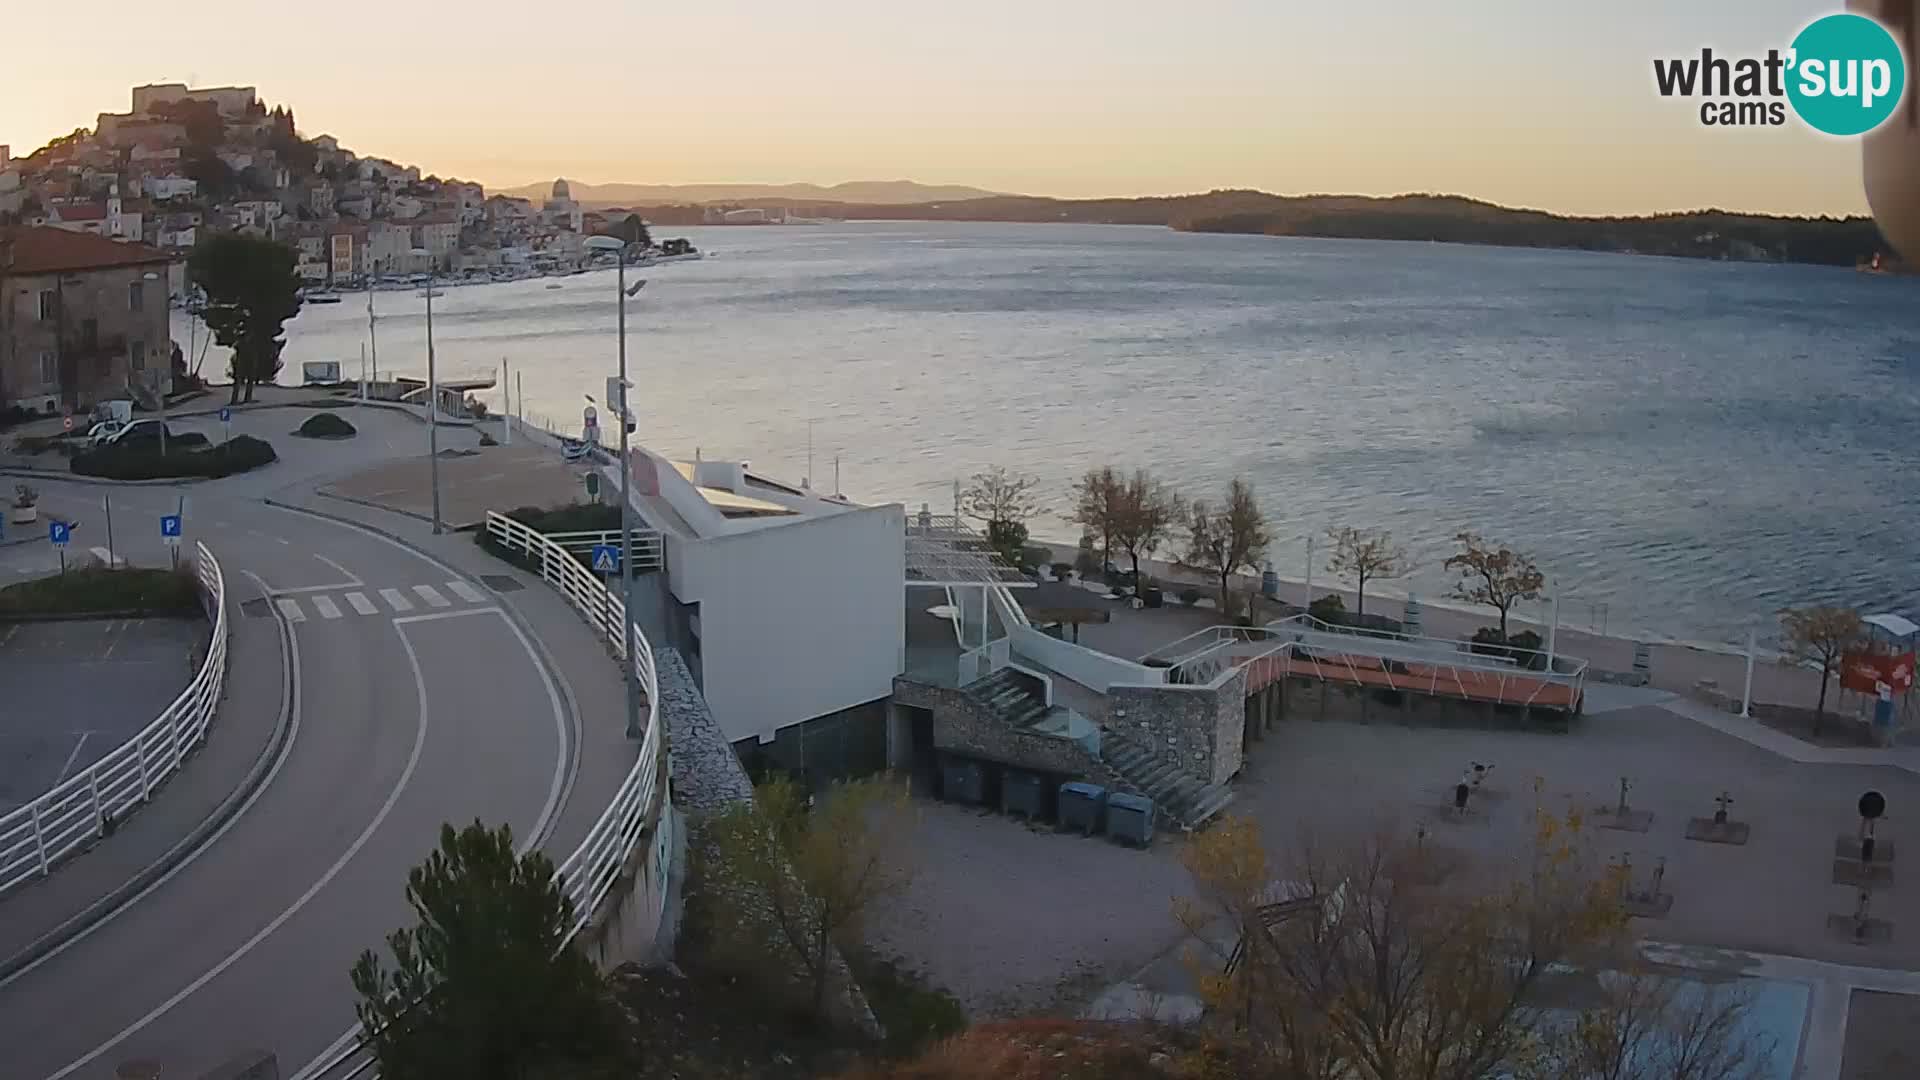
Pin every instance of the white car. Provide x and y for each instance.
(111, 432)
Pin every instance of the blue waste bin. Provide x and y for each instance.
(1082, 806)
(1023, 793)
(1130, 818)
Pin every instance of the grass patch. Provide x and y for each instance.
(326, 426)
(98, 589)
(144, 461)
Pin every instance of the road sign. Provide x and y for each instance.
(593, 485)
(606, 559)
(226, 414)
(67, 422)
(170, 529)
(59, 532)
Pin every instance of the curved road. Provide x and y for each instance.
(415, 702)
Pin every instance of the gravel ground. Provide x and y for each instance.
(1015, 920)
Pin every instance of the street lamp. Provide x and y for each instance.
(619, 247)
(433, 397)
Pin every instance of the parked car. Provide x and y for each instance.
(135, 432)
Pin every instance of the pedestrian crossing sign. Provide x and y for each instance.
(606, 559)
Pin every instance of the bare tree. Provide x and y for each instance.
(1366, 555)
(1821, 635)
(1148, 511)
(804, 876)
(1498, 577)
(1224, 539)
(1655, 1026)
(1003, 501)
(1098, 501)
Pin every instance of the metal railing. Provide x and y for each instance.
(649, 552)
(589, 874)
(85, 806)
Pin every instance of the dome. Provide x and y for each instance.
(560, 190)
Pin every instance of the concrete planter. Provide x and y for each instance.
(23, 515)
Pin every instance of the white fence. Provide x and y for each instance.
(590, 872)
(588, 875)
(83, 807)
(649, 553)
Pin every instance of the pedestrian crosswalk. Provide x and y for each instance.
(396, 601)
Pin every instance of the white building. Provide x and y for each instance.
(170, 187)
(787, 603)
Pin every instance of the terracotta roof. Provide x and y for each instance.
(47, 250)
(80, 212)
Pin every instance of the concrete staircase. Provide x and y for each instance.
(1182, 797)
(1003, 695)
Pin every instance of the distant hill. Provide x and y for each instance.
(870, 192)
(1708, 234)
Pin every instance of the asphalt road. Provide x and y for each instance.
(405, 718)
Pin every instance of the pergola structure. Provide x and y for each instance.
(943, 553)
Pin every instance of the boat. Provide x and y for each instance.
(554, 285)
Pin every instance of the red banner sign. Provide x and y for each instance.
(1867, 672)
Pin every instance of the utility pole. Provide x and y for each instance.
(433, 413)
(627, 636)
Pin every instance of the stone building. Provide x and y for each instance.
(82, 319)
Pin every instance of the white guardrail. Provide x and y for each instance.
(589, 874)
(82, 808)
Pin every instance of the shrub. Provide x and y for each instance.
(1329, 609)
(488, 440)
(1062, 569)
(326, 425)
(96, 589)
(1189, 596)
(1488, 642)
(144, 461)
(1525, 648)
(1036, 555)
(1086, 562)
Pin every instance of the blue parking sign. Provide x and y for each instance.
(606, 559)
(226, 414)
(59, 532)
(170, 526)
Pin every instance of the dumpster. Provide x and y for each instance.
(1081, 806)
(962, 782)
(1130, 819)
(1023, 793)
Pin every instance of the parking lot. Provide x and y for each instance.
(72, 691)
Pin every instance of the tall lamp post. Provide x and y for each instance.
(433, 398)
(619, 248)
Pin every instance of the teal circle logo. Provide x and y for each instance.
(1846, 74)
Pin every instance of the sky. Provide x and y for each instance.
(1546, 104)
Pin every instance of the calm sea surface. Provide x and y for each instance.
(1690, 444)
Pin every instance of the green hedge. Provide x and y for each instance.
(100, 589)
(144, 461)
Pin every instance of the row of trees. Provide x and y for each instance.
(1136, 515)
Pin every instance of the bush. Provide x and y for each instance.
(1525, 648)
(1035, 555)
(98, 589)
(1189, 596)
(1062, 569)
(326, 425)
(1488, 642)
(915, 1014)
(1086, 562)
(1329, 609)
(144, 461)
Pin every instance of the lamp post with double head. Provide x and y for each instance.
(619, 248)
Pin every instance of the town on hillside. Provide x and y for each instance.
(183, 163)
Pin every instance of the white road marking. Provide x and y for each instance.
(327, 608)
(344, 572)
(11, 630)
(335, 587)
(247, 946)
(432, 596)
(396, 599)
(112, 641)
(361, 605)
(466, 592)
(71, 758)
(290, 713)
(436, 616)
(291, 609)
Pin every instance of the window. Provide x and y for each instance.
(137, 355)
(49, 369)
(136, 296)
(49, 305)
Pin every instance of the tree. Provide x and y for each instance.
(1387, 957)
(1821, 635)
(1098, 498)
(215, 177)
(634, 231)
(251, 290)
(805, 876)
(1147, 511)
(1225, 539)
(486, 985)
(1366, 555)
(1003, 501)
(1647, 1027)
(1496, 577)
